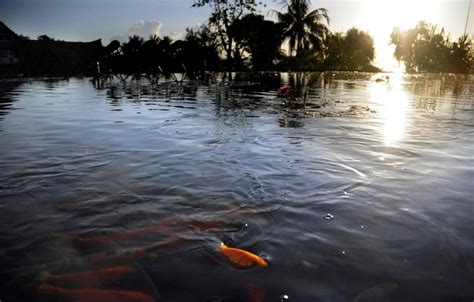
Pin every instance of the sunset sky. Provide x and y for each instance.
(84, 20)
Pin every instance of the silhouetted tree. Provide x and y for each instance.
(45, 38)
(224, 13)
(165, 53)
(150, 55)
(424, 48)
(260, 38)
(131, 52)
(352, 51)
(111, 58)
(305, 30)
(461, 57)
(203, 49)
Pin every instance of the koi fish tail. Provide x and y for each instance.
(54, 290)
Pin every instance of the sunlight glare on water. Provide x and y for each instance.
(394, 101)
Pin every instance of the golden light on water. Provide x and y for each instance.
(393, 108)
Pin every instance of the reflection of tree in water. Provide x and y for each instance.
(139, 90)
(247, 95)
(442, 85)
(53, 83)
(291, 121)
(236, 100)
(7, 93)
(263, 80)
(326, 80)
(431, 91)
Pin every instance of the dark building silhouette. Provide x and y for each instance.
(23, 57)
(9, 45)
(50, 57)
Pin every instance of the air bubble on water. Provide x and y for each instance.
(284, 298)
(328, 216)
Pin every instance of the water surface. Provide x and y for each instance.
(390, 159)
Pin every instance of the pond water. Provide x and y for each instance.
(366, 195)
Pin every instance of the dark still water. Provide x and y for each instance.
(123, 191)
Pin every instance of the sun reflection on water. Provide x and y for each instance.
(394, 107)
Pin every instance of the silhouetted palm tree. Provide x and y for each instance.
(132, 47)
(304, 29)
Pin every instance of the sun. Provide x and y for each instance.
(380, 17)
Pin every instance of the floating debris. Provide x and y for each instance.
(309, 265)
(284, 90)
(328, 216)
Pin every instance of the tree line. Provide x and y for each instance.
(237, 38)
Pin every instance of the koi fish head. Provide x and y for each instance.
(262, 262)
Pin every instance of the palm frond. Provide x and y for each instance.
(318, 15)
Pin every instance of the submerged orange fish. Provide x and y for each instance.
(240, 258)
(256, 291)
(96, 295)
(91, 277)
(124, 236)
(115, 237)
(113, 259)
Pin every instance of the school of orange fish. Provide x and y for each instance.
(101, 272)
(107, 269)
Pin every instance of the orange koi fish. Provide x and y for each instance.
(240, 258)
(115, 237)
(118, 237)
(101, 260)
(96, 295)
(90, 277)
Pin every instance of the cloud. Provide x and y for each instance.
(143, 29)
(176, 35)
